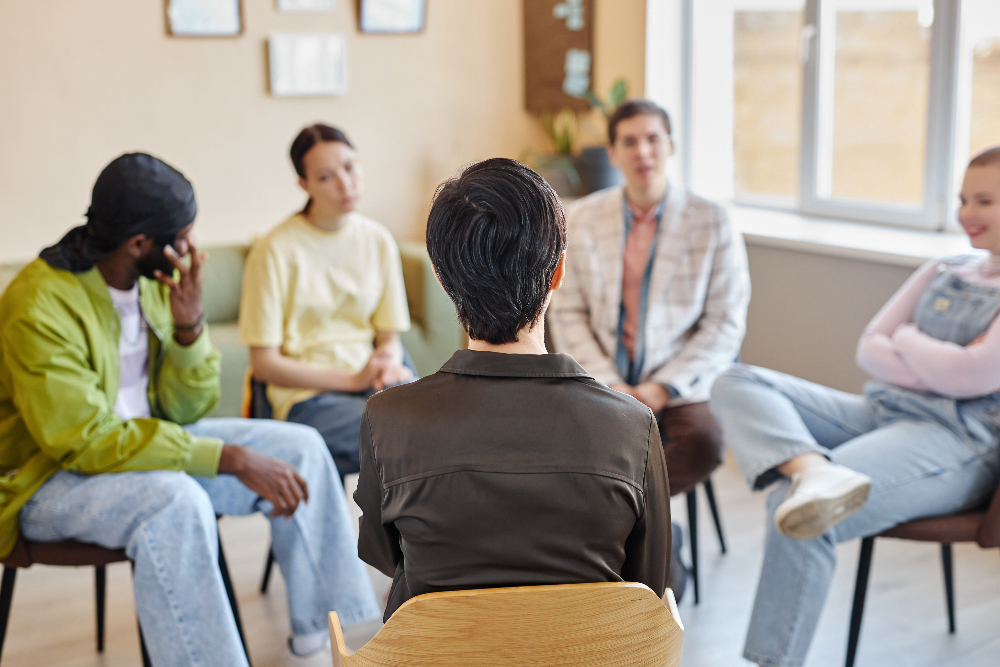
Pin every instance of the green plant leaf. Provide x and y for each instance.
(619, 91)
(561, 162)
(565, 131)
(594, 100)
(549, 126)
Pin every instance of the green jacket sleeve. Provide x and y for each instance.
(187, 384)
(59, 396)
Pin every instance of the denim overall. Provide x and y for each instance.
(926, 454)
(955, 310)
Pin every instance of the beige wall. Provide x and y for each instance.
(619, 52)
(82, 82)
(808, 310)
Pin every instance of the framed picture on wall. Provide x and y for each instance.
(305, 6)
(204, 18)
(392, 16)
(304, 64)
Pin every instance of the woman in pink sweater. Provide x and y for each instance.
(921, 441)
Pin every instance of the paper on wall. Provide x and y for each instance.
(307, 64)
(204, 17)
(392, 15)
(305, 5)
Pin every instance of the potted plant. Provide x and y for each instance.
(592, 165)
(559, 169)
(570, 174)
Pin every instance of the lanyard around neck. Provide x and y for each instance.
(630, 370)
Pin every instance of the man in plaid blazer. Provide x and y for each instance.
(655, 296)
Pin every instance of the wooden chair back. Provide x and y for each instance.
(578, 625)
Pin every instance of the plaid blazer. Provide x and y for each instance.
(698, 294)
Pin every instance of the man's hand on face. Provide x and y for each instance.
(275, 481)
(185, 293)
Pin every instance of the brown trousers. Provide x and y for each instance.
(692, 445)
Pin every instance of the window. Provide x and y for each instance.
(872, 124)
(857, 109)
(980, 52)
(767, 102)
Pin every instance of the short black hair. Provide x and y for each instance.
(635, 107)
(495, 236)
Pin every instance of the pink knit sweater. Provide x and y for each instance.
(893, 350)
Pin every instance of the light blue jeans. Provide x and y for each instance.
(926, 455)
(166, 523)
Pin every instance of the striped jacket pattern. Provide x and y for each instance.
(698, 294)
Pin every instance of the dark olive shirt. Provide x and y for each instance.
(511, 470)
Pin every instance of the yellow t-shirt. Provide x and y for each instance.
(320, 296)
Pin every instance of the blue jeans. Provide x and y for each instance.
(924, 459)
(337, 417)
(166, 523)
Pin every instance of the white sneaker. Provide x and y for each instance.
(322, 657)
(819, 498)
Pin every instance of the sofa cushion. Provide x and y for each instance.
(222, 277)
(435, 333)
(235, 360)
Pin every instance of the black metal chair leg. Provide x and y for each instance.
(142, 647)
(710, 494)
(6, 597)
(692, 506)
(227, 582)
(860, 588)
(949, 585)
(267, 570)
(100, 588)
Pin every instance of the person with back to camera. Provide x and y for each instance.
(656, 296)
(323, 301)
(921, 440)
(509, 466)
(106, 375)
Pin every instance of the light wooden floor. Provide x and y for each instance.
(52, 619)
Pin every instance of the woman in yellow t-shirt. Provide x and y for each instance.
(323, 301)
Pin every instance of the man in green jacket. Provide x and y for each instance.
(106, 375)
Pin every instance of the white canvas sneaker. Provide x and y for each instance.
(322, 657)
(819, 498)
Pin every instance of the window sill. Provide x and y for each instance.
(852, 240)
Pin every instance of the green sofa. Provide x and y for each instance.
(432, 339)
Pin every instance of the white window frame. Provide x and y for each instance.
(817, 131)
(696, 85)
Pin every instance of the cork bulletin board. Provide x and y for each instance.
(558, 54)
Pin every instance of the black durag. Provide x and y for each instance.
(135, 194)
